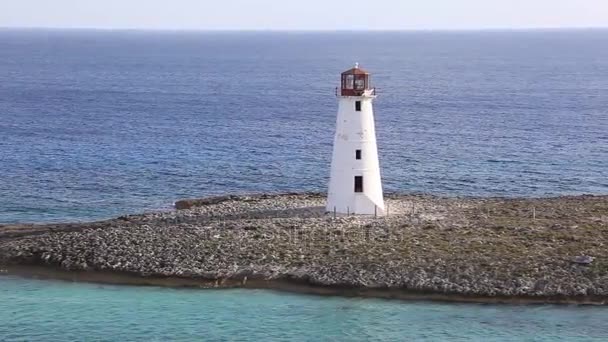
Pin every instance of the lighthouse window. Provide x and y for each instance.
(358, 106)
(358, 183)
(358, 154)
(360, 83)
(348, 82)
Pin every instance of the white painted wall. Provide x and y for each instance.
(355, 130)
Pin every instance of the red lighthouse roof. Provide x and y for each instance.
(355, 71)
(355, 82)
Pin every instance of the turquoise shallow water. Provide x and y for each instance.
(41, 310)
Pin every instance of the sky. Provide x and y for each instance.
(304, 14)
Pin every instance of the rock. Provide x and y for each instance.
(290, 237)
(184, 204)
(191, 203)
(583, 260)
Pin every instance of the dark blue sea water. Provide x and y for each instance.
(96, 124)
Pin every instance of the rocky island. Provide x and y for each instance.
(545, 250)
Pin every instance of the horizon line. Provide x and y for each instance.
(277, 30)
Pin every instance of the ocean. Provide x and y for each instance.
(55, 311)
(95, 124)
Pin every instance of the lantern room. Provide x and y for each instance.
(355, 82)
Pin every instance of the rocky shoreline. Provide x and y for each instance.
(545, 250)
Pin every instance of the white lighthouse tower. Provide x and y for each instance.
(355, 186)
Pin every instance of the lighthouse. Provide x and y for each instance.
(355, 186)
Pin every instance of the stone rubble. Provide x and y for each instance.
(462, 246)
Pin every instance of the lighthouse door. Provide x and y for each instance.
(358, 183)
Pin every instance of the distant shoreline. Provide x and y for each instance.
(482, 250)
